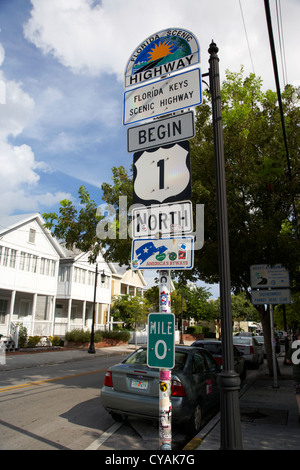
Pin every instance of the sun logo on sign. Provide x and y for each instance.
(160, 50)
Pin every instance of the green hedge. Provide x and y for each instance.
(117, 335)
(81, 336)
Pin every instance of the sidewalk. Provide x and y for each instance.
(269, 416)
(25, 359)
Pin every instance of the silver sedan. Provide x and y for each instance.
(132, 388)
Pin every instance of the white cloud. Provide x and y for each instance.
(99, 38)
(19, 168)
(22, 200)
(15, 112)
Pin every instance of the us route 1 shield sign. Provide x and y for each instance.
(163, 253)
(162, 174)
(161, 340)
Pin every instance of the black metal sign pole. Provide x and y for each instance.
(231, 436)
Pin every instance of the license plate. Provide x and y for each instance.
(140, 384)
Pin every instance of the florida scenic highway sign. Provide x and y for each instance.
(163, 52)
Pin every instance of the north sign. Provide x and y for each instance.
(163, 219)
(161, 132)
(161, 340)
(162, 174)
(163, 97)
(163, 52)
(163, 253)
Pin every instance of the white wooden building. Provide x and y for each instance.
(29, 263)
(51, 290)
(76, 293)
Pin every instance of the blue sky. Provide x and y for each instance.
(62, 68)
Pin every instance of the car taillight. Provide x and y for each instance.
(251, 350)
(218, 360)
(177, 389)
(108, 379)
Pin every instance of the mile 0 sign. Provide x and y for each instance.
(163, 52)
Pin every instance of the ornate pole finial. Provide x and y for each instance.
(213, 48)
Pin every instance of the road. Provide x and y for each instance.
(58, 407)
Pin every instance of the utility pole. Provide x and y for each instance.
(231, 436)
(165, 406)
(91, 349)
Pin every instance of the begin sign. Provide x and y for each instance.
(161, 132)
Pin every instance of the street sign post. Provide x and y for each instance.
(163, 253)
(165, 96)
(161, 132)
(163, 219)
(161, 340)
(265, 276)
(162, 174)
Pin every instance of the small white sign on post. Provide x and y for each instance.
(161, 132)
(272, 296)
(265, 276)
(163, 219)
(171, 94)
(164, 253)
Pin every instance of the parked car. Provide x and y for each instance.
(261, 341)
(215, 348)
(131, 388)
(253, 352)
(244, 333)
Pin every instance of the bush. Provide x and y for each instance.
(117, 335)
(55, 340)
(33, 341)
(81, 336)
(78, 336)
(22, 339)
(191, 330)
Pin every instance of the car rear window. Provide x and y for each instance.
(213, 348)
(180, 360)
(241, 340)
(140, 357)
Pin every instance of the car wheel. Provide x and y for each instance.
(118, 417)
(194, 424)
(243, 374)
(262, 359)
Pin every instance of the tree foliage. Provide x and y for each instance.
(130, 310)
(260, 196)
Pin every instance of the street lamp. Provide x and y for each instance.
(91, 349)
(231, 438)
